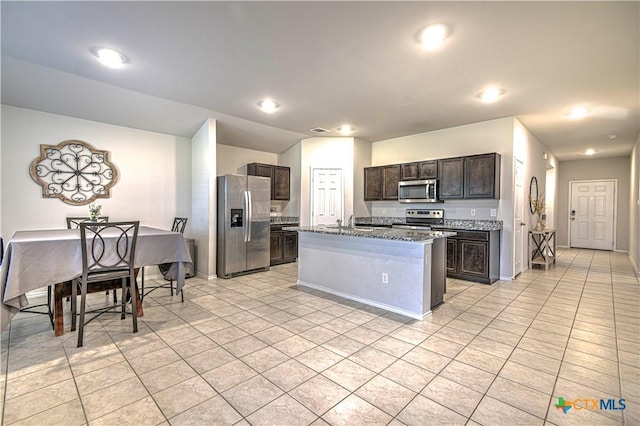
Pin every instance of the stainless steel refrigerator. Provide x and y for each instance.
(243, 224)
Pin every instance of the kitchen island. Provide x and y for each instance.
(402, 271)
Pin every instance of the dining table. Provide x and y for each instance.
(52, 257)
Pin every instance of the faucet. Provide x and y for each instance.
(350, 223)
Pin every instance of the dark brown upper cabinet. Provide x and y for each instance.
(428, 170)
(281, 183)
(381, 183)
(409, 171)
(470, 177)
(390, 179)
(280, 178)
(451, 178)
(372, 183)
(482, 176)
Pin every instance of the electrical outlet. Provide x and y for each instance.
(384, 211)
(473, 212)
(494, 212)
(385, 278)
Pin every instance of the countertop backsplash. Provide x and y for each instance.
(481, 225)
(285, 220)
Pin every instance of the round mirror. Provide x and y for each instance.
(533, 194)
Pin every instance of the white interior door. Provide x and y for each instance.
(591, 214)
(518, 225)
(326, 190)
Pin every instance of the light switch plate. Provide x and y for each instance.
(494, 212)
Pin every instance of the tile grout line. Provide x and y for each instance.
(515, 347)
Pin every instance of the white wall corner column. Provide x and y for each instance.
(203, 194)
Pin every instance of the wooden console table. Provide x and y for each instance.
(544, 248)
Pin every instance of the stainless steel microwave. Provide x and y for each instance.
(418, 191)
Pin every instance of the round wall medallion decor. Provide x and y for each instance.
(74, 171)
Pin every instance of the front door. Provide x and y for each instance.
(591, 214)
(326, 189)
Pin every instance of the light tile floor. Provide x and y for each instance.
(258, 350)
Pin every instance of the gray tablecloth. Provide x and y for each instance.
(36, 259)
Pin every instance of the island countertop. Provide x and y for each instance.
(372, 232)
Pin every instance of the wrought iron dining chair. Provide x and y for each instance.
(74, 223)
(32, 309)
(108, 253)
(179, 224)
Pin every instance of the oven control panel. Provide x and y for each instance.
(425, 214)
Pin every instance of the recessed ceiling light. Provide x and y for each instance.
(432, 37)
(578, 112)
(490, 95)
(590, 151)
(345, 129)
(110, 57)
(268, 105)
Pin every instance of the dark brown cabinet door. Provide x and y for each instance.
(474, 258)
(428, 170)
(372, 183)
(482, 176)
(451, 178)
(390, 179)
(281, 183)
(257, 169)
(452, 254)
(276, 246)
(409, 171)
(280, 178)
(290, 245)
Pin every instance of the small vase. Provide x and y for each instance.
(539, 226)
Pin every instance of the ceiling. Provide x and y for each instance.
(330, 63)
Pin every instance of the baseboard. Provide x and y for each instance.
(636, 267)
(206, 277)
(369, 302)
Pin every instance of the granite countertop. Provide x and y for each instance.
(285, 220)
(380, 233)
(455, 224)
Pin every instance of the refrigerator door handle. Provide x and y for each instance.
(246, 216)
(250, 217)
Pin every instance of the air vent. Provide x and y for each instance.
(319, 130)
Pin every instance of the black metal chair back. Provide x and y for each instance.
(108, 252)
(179, 223)
(74, 222)
(108, 247)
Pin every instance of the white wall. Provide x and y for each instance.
(234, 160)
(361, 159)
(598, 168)
(325, 153)
(154, 183)
(634, 207)
(292, 158)
(203, 189)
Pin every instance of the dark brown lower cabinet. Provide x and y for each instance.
(474, 256)
(284, 245)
